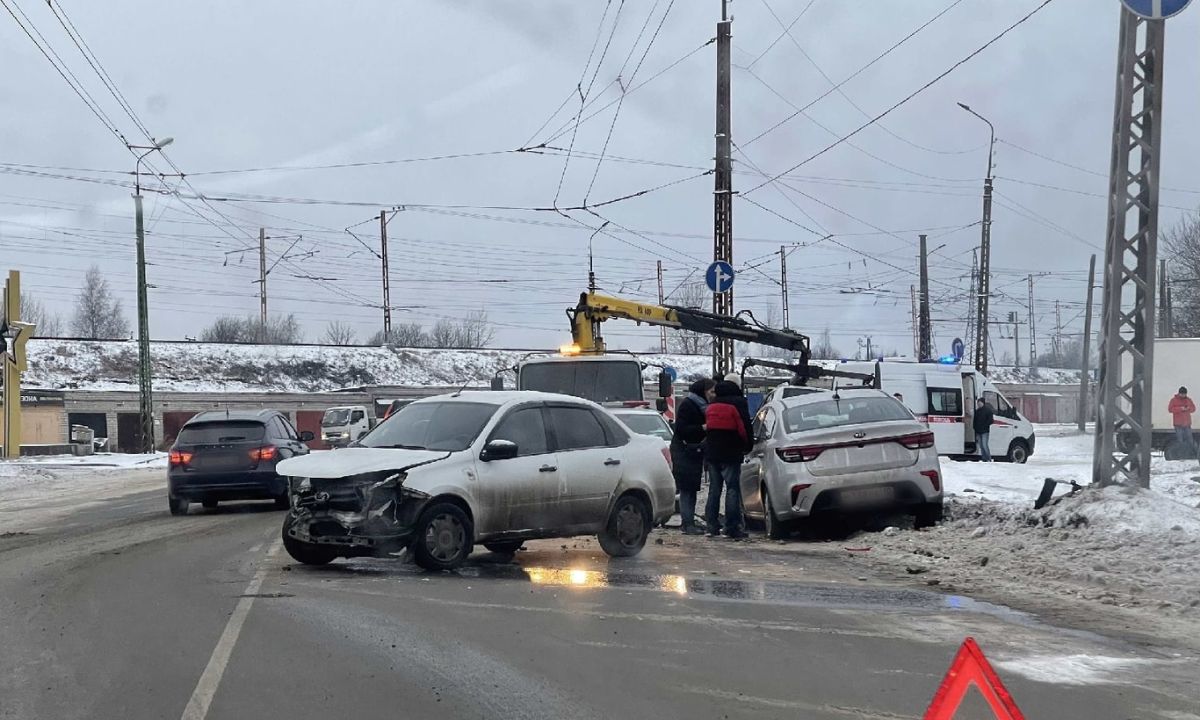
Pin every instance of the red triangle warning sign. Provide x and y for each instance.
(969, 668)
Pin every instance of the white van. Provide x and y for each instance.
(943, 396)
(341, 426)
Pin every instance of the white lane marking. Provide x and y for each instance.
(206, 688)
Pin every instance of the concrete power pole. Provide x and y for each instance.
(985, 255)
(1015, 319)
(916, 323)
(387, 288)
(1164, 301)
(783, 286)
(1032, 328)
(972, 302)
(723, 190)
(1058, 345)
(926, 350)
(1125, 397)
(262, 278)
(1084, 375)
(662, 331)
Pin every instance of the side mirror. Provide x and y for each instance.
(497, 382)
(661, 404)
(307, 436)
(499, 450)
(665, 387)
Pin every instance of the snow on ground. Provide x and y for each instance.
(104, 460)
(1129, 554)
(34, 493)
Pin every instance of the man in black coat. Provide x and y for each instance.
(730, 437)
(687, 450)
(983, 429)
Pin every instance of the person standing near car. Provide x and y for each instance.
(983, 429)
(730, 437)
(687, 450)
(1181, 408)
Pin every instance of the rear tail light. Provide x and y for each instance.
(917, 441)
(934, 478)
(796, 490)
(267, 452)
(666, 452)
(799, 454)
(180, 457)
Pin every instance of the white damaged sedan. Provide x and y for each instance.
(495, 468)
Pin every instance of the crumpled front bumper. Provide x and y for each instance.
(364, 515)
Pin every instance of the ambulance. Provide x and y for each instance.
(942, 394)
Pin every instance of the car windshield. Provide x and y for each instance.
(227, 431)
(443, 426)
(844, 411)
(646, 424)
(615, 381)
(335, 417)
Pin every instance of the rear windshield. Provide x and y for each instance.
(226, 431)
(444, 426)
(599, 381)
(646, 424)
(847, 411)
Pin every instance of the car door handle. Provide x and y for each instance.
(612, 461)
(548, 468)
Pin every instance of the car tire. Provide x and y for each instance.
(1018, 452)
(928, 515)
(177, 506)
(209, 504)
(504, 547)
(776, 530)
(628, 526)
(444, 537)
(306, 553)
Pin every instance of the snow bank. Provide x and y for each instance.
(98, 460)
(34, 495)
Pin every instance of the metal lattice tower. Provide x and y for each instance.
(723, 193)
(1123, 414)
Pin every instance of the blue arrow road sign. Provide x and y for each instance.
(1156, 9)
(671, 373)
(719, 277)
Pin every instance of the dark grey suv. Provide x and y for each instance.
(231, 455)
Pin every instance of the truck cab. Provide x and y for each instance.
(612, 380)
(943, 395)
(341, 426)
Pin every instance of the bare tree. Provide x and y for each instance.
(1182, 246)
(408, 335)
(475, 331)
(278, 330)
(444, 334)
(47, 323)
(824, 349)
(224, 330)
(98, 313)
(690, 342)
(339, 333)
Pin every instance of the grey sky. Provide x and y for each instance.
(267, 84)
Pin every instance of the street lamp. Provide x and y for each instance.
(145, 394)
(985, 253)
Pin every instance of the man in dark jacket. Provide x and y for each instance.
(730, 437)
(687, 450)
(983, 429)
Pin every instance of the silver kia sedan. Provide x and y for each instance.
(850, 451)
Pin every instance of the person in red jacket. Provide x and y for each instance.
(1181, 408)
(729, 436)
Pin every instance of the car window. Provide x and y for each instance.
(230, 431)
(525, 427)
(288, 429)
(616, 433)
(646, 424)
(764, 422)
(443, 426)
(576, 428)
(844, 411)
(357, 416)
(275, 428)
(945, 402)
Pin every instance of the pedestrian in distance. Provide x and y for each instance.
(1181, 408)
(687, 450)
(983, 429)
(730, 437)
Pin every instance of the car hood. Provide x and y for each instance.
(355, 461)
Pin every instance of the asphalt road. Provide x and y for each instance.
(121, 611)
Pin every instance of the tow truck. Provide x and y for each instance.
(587, 369)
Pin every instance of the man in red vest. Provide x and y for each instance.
(729, 437)
(1181, 408)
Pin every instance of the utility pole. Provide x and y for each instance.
(1058, 347)
(387, 288)
(1032, 329)
(662, 330)
(783, 284)
(723, 189)
(985, 254)
(912, 290)
(1084, 378)
(926, 349)
(262, 278)
(972, 302)
(867, 342)
(1164, 301)
(1015, 319)
(145, 384)
(1125, 398)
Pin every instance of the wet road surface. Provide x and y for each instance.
(122, 611)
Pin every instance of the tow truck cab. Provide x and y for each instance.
(341, 426)
(611, 380)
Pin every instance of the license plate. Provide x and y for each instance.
(868, 496)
